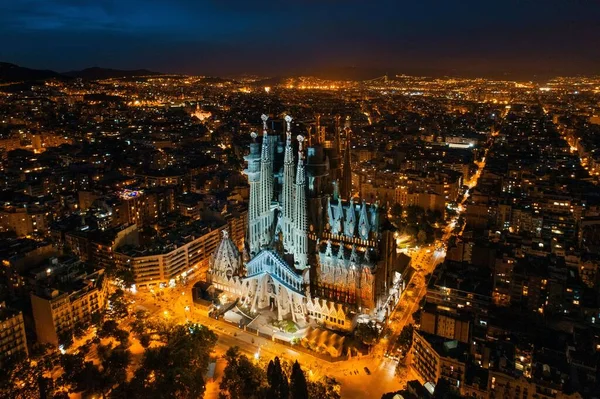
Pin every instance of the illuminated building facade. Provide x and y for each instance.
(13, 342)
(330, 268)
(57, 312)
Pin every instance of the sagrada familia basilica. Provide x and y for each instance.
(313, 252)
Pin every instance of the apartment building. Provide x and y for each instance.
(13, 343)
(67, 304)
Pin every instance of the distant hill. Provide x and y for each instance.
(348, 73)
(216, 79)
(14, 73)
(274, 81)
(97, 73)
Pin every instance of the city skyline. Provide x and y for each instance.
(299, 199)
(514, 39)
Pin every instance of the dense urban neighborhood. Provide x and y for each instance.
(175, 236)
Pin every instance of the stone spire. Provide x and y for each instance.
(300, 224)
(226, 259)
(288, 190)
(266, 171)
(253, 173)
(319, 130)
(364, 226)
(346, 186)
(260, 176)
(337, 139)
(336, 190)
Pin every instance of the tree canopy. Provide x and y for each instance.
(176, 369)
(241, 378)
(298, 385)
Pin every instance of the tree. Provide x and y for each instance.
(396, 212)
(108, 329)
(176, 369)
(115, 366)
(126, 276)
(117, 303)
(422, 237)
(413, 214)
(140, 322)
(401, 369)
(241, 378)
(278, 382)
(367, 332)
(122, 336)
(97, 319)
(65, 339)
(79, 330)
(145, 340)
(81, 375)
(326, 388)
(20, 380)
(417, 316)
(405, 337)
(411, 230)
(298, 386)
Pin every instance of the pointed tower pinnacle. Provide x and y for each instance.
(260, 218)
(300, 223)
(226, 260)
(288, 189)
(308, 137)
(319, 136)
(254, 212)
(338, 130)
(346, 186)
(336, 190)
(266, 171)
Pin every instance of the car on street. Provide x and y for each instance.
(367, 371)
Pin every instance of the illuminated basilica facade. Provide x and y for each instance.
(310, 254)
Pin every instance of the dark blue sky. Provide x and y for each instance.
(278, 37)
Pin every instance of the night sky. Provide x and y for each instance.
(221, 37)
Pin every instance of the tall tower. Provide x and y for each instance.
(266, 187)
(261, 193)
(337, 139)
(253, 173)
(266, 171)
(335, 154)
(320, 131)
(300, 228)
(346, 184)
(288, 190)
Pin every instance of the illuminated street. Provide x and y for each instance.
(175, 305)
